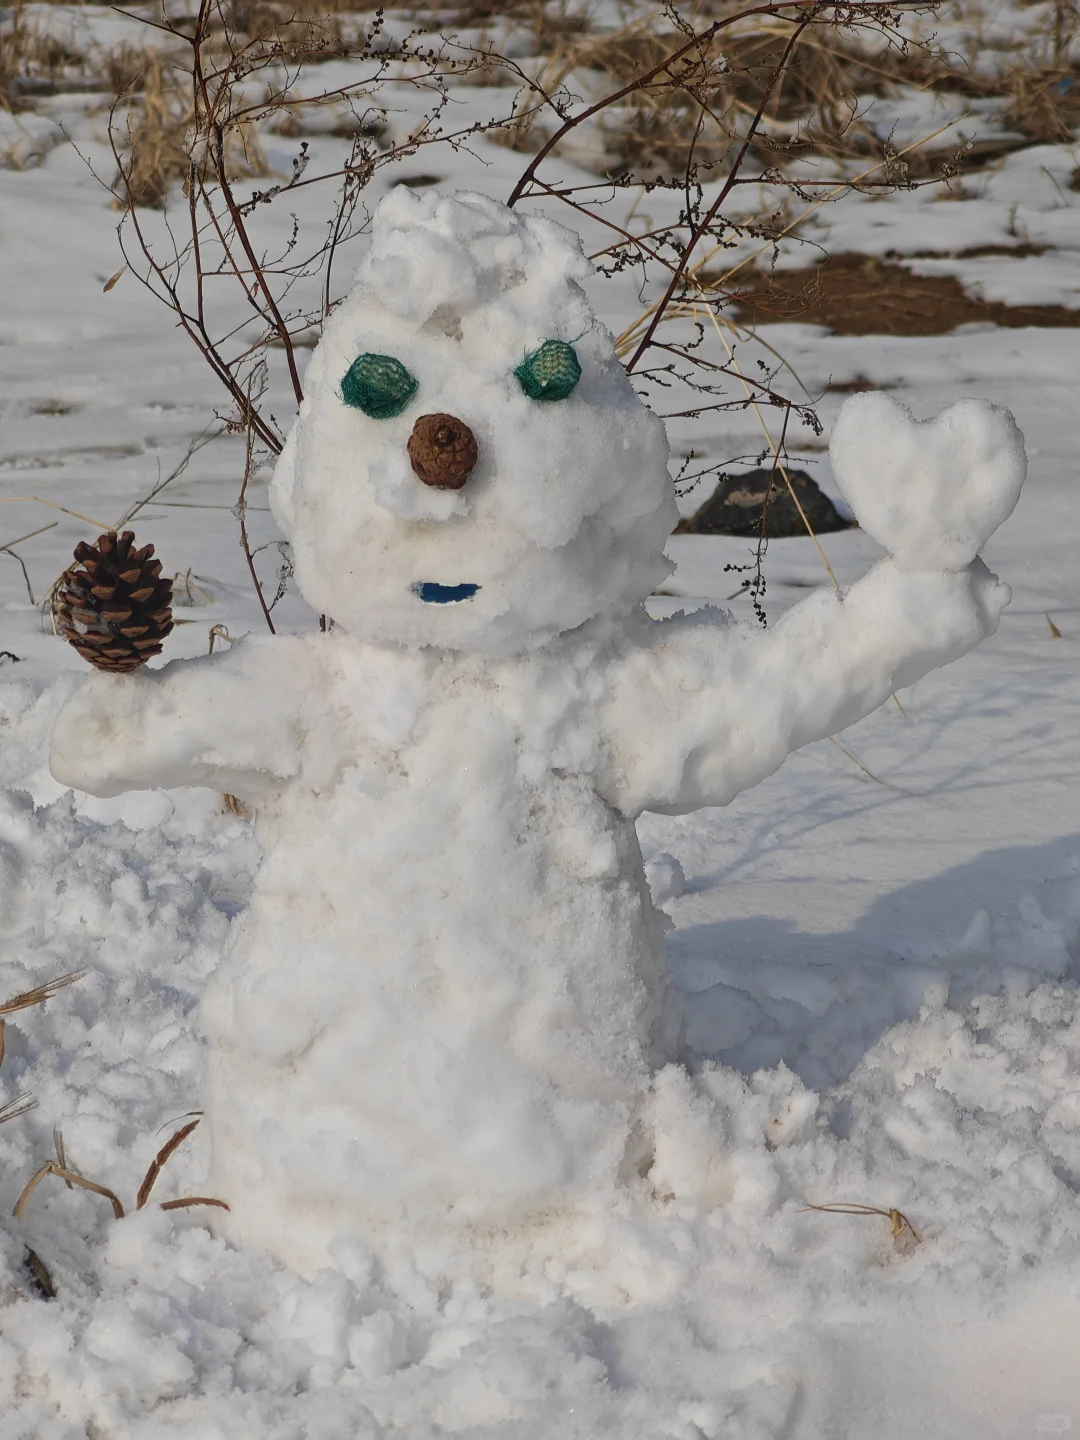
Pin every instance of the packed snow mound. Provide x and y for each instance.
(932, 492)
(736, 1313)
(564, 515)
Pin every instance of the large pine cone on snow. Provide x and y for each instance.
(113, 605)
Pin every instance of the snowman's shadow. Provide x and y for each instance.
(759, 991)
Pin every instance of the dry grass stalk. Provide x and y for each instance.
(14, 1108)
(9, 549)
(161, 1159)
(190, 1200)
(61, 1154)
(899, 1223)
(694, 112)
(219, 632)
(71, 1177)
(40, 993)
(159, 127)
(51, 1168)
(1054, 631)
(1043, 104)
(37, 996)
(32, 61)
(702, 107)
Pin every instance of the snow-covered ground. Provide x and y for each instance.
(887, 964)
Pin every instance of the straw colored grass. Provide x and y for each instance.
(37, 996)
(72, 1177)
(32, 61)
(159, 123)
(904, 1235)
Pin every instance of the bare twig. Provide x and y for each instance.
(241, 515)
(204, 438)
(37, 500)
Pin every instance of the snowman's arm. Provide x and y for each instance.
(231, 721)
(706, 708)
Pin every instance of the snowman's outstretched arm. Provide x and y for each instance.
(705, 708)
(231, 721)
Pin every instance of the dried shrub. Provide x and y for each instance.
(32, 60)
(158, 153)
(1044, 104)
(807, 96)
(696, 110)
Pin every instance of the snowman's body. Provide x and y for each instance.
(481, 1051)
(446, 1006)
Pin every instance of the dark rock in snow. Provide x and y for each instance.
(736, 506)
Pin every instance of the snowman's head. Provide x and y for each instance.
(471, 468)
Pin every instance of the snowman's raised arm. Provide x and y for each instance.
(232, 721)
(704, 708)
(707, 708)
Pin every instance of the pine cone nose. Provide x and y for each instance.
(442, 450)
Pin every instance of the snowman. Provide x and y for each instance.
(445, 1018)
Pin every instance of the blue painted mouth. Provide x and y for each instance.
(433, 594)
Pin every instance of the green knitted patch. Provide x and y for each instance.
(378, 385)
(549, 373)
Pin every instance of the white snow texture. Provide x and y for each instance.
(443, 1030)
(931, 492)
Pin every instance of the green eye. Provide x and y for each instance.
(549, 373)
(378, 385)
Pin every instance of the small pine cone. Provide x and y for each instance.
(113, 605)
(442, 450)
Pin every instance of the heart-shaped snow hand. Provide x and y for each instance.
(932, 492)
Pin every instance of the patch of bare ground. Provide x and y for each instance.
(853, 294)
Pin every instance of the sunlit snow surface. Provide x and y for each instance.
(901, 946)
